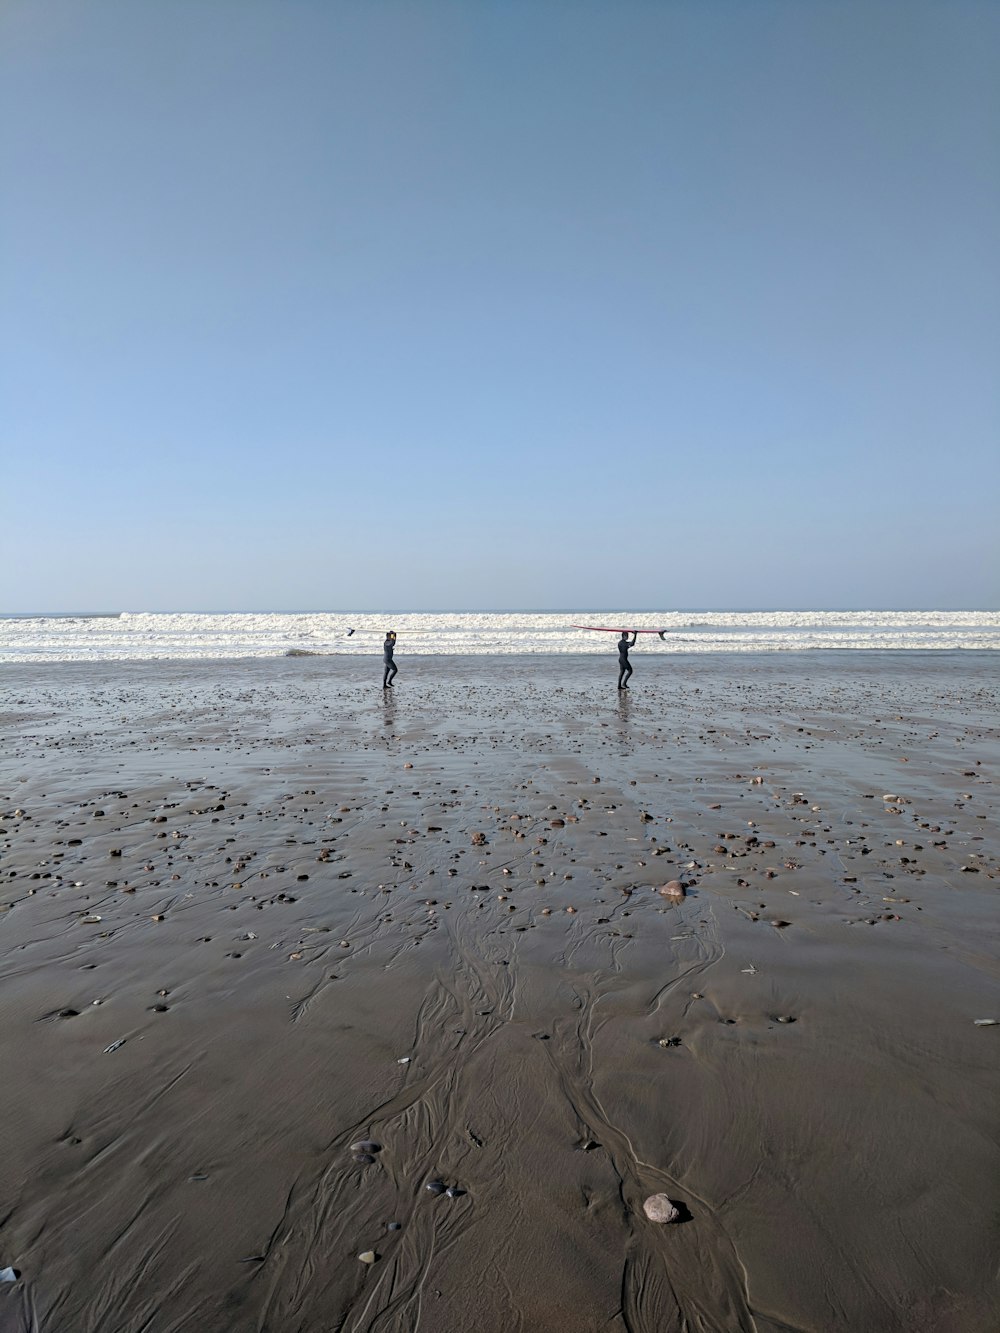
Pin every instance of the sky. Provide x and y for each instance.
(321, 304)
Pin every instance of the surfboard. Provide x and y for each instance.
(349, 633)
(617, 629)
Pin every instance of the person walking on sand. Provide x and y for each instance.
(389, 667)
(624, 669)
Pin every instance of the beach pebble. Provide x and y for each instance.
(658, 1208)
(9, 1274)
(368, 1256)
(673, 889)
(435, 1187)
(986, 1022)
(366, 1145)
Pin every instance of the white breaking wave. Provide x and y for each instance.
(137, 636)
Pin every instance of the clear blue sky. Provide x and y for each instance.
(499, 303)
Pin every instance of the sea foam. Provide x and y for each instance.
(193, 636)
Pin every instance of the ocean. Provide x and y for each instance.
(138, 636)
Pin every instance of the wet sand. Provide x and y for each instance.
(255, 913)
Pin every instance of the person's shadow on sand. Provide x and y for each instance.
(622, 712)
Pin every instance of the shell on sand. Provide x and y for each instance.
(675, 889)
(658, 1208)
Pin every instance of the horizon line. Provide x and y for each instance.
(490, 610)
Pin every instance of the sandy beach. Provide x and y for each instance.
(254, 914)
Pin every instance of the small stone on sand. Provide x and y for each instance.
(658, 1208)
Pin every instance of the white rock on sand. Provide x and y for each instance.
(658, 1208)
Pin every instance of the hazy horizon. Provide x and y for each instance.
(492, 610)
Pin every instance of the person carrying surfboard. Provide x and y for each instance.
(389, 667)
(624, 669)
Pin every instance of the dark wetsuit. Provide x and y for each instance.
(624, 669)
(389, 667)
